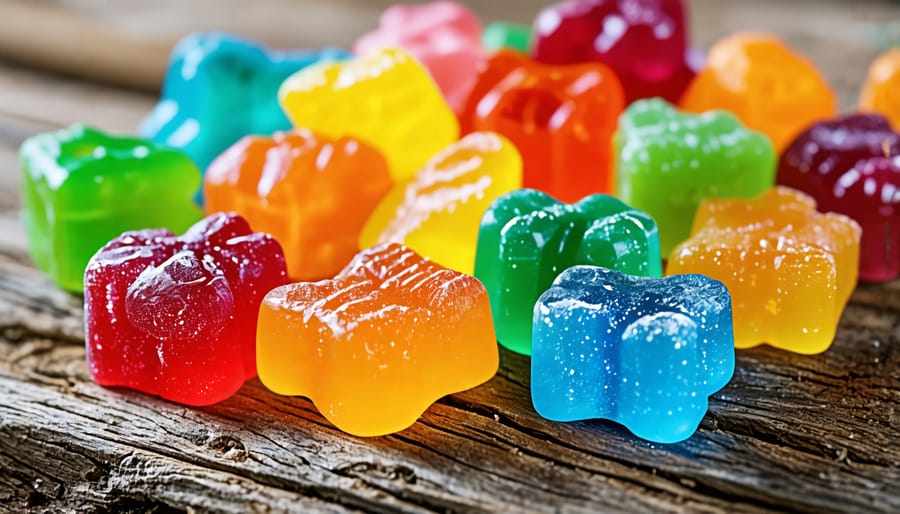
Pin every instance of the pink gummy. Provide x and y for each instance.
(444, 36)
(176, 316)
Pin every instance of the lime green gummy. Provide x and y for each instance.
(527, 238)
(82, 188)
(512, 36)
(667, 162)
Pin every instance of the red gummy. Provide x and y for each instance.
(851, 165)
(176, 316)
(644, 41)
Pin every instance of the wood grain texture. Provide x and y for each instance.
(789, 433)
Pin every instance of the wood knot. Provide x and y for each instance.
(229, 447)
(380, 471)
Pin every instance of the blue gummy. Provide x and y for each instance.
(643, 352)
(220, 88)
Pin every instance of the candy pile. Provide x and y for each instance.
(368, 240)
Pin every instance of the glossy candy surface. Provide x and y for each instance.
(219, 88)
(385, 98)
(881, 91)
(505, 35)
(312, 192)
(790, 270)
(851, 165)
(444, 36)
(560, 118)
(437, 213)
(374, 347)
(644, 41)
(527, 238)
(668, 162)
(82, 187)
(176, 316)
(644, 352)
(767, 85)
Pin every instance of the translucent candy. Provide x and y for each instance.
(644, 352)
(374, 347)
(438, 212)
(176, 316)
(790, 270)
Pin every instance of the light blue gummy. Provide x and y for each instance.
(643, 352)
(220, 88)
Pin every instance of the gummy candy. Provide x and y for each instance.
(313, 193)
(767, 85)
(437, 213)
(374, 347)
(668, 162)
(561, 119)
(851, 165)
(176, 316)
(644, 41)
(444, 36)
(385, 98)
(643, 352)
(790, 270)
(511, 36)
(220, 88)
(881, 91)
(82, 187)
(527, 238)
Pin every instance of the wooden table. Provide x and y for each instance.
(789, 433)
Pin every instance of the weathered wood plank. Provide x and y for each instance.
(790, 433)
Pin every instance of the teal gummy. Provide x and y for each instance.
(667, 162)
(511, 36)
(527, 238)
(82, 188)
(220, 88)
(643, 352)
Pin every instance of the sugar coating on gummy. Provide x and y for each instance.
(437, 213)
(176, 316)
(790, 270)
(385, 98)
(643, 352)
(82, 187)
(444, 36)
(219, 88)
(560, 117)
(378, 344)
(527, 238)
(668, 161)
(851, 165)
(644, 41)
(313, 193)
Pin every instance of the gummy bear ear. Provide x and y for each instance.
(181, 299)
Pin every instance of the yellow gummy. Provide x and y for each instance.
(385, 97)
(437, 213)
(789, 269)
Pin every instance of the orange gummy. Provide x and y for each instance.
(767, 85)
(560, 117)
(313, 193)
(790, 270)
(378, 344)
(881, 92)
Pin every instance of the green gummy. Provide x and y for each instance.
(667, 162)
(512, 36)
(82, 187)
(528, 238)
